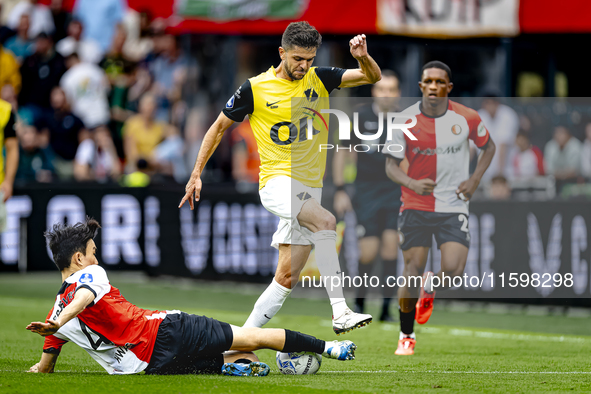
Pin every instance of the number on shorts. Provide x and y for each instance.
(91, 334)
(462, 218)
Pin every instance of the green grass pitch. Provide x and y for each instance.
(456, 352)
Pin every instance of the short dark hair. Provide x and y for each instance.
(300, 34)
(65, 240)
(499, 179)
(43, 35)
(491, 95)
(439, 65)
(389, 73)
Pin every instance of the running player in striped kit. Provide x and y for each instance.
(435, 191)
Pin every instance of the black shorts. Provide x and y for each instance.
(376, 208)
(417, 228)
(188, 344)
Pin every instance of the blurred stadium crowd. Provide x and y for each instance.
(104, 93)
(98, 93)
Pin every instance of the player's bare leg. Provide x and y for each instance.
(292, 259)
(323, 224)
(232, 356)
(453, 261)
(415, 260)
(389, 254)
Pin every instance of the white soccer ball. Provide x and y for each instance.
(302, 363)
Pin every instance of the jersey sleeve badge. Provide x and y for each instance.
(86, 278)
(230, 103)
(481, 130)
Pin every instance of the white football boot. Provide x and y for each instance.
(349, 320)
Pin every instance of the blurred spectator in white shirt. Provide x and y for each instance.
(139, 43)
(527, 160)
(87, 49)
(96, 158)
(586, 153)
(40, 15)
(503, 123)
(100, 18)
(87, 89)
(563, 155)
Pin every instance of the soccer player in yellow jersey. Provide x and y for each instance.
(8, 164)
(292, 165)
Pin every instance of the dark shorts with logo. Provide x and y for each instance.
(190, 344)
(417, 228)
(376, 208)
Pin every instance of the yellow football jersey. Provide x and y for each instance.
(280, 124)
(7, 121)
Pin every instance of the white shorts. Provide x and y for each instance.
(284, 197)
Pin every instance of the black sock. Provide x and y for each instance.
(243, 361)
(407, 321)
(298, 342)
(389, 269)
(386, 307)
(360, 303)
(364, 269)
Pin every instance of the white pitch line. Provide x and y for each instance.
(476, 372)
(440, 372)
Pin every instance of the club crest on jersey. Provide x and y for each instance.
(85, 278)
(456, 129)
(311, 94)
(481, 130)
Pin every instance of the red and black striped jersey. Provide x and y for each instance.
(116, 333)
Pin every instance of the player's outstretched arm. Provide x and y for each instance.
(46, 365)
(81, 300)
(467, 188)
(419, 186)
(210, 143)
(368, 72)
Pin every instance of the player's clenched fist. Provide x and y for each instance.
(422, 186)
(467, 189)
(358, 46)
(193, 186)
